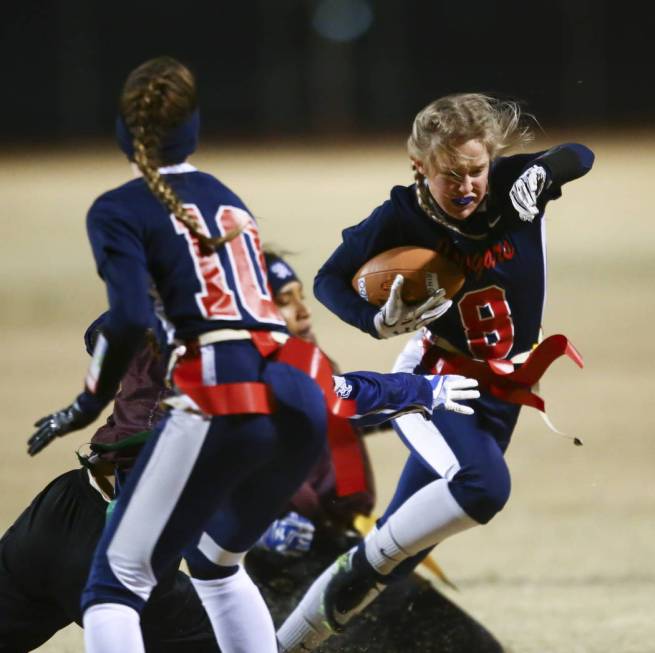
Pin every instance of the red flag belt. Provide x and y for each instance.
(499, 377)
(257, 398)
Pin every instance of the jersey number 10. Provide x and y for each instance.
(217, 297)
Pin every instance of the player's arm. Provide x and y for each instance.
(123, 330)
(381, 231)
(332, 284)
(566, 162)
(380, 397)
(543, 176)
(121, 263)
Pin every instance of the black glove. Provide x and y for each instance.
(71, 418)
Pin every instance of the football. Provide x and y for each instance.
(424, 271)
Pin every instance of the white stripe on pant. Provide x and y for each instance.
(425, 439)
(153, 500)
(431, 514)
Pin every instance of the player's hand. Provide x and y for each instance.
(526, 190)
(448, 389)
(57, 424)
(396, 317)
(290, 535)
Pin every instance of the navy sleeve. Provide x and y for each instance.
(381, 397)
(567, 162)
(506, 170)
(112, 229)
(333, 282)
(121, 262)
(563, 163)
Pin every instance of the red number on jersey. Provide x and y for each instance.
(246, 257)
(216, 300)
(487, 321)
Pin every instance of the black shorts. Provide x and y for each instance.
(44, 563)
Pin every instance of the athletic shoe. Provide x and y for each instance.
(342, 591)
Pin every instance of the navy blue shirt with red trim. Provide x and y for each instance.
(498, 311)
(199, 293)
(136, 241)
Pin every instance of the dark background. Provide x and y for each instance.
(276, 68)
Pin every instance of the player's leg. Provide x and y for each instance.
(456, 478)
(187, 468)
(174, 620)
(241, 619)
(351, 581)
(464, 482)
(470, 484)
(261, 497)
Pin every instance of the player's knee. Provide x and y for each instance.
(208, 560)
(481, 495)
(204, 570)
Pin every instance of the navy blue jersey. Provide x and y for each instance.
(498, 311)
(137, 242)
(128, 225)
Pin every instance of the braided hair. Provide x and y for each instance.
(157, 97)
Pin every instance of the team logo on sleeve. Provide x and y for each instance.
(341, 387)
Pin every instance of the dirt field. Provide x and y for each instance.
(568, 566)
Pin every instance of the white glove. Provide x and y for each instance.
(448, 389)
(396, 317)
(526, 190)
(291, 535)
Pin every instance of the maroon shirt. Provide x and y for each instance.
(137, 405)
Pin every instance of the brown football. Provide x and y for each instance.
(424, 270)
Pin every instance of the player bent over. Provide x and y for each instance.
(46, 554)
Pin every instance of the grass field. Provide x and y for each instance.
(568, 567)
